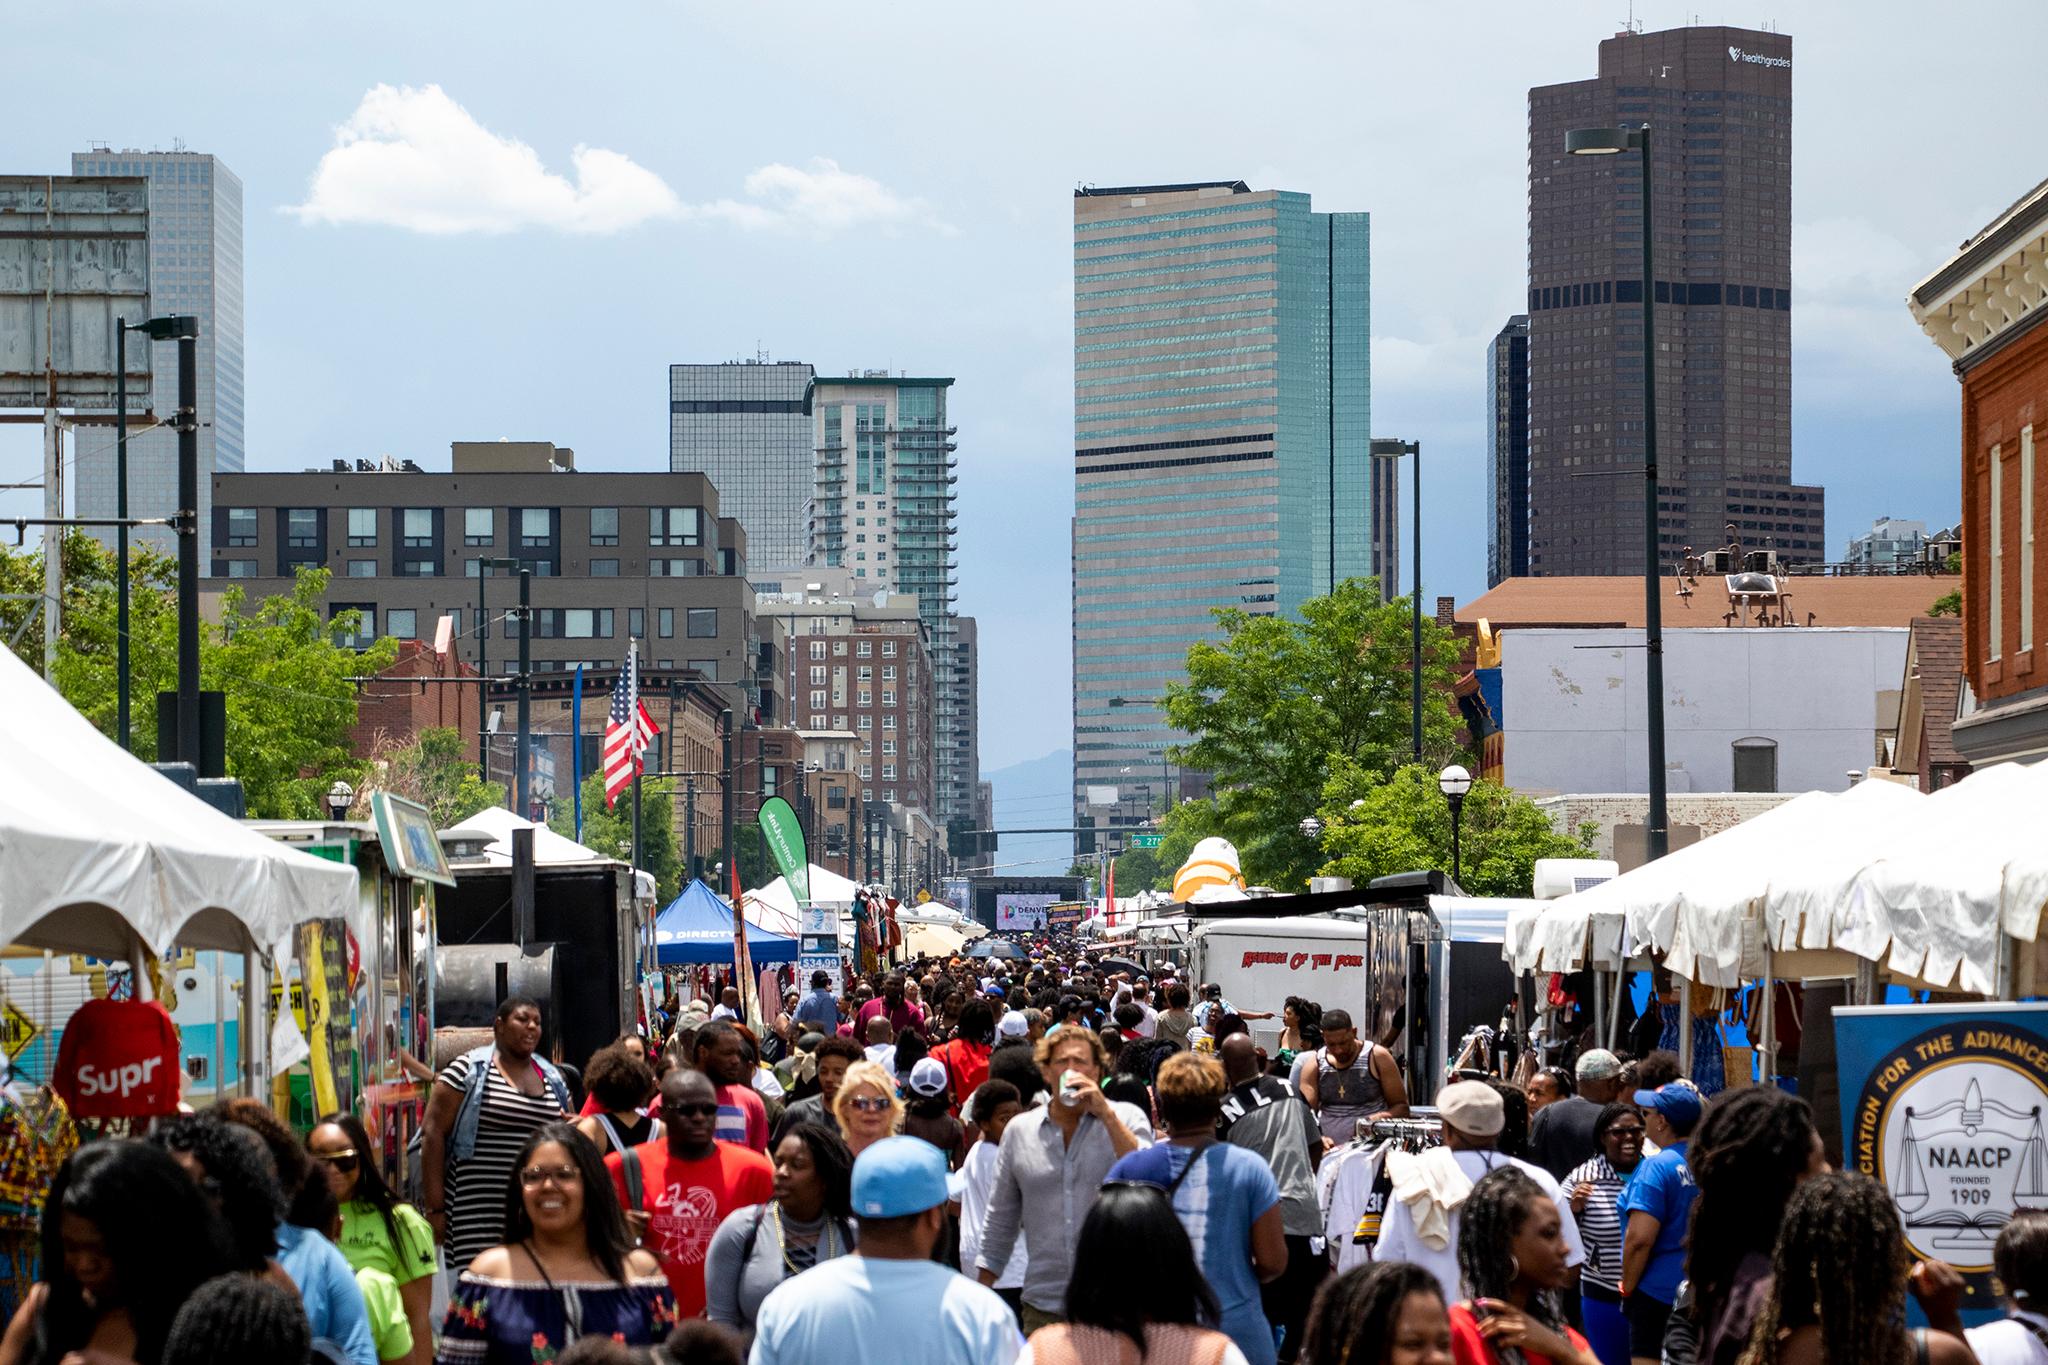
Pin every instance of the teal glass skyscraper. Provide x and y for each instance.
(1222, 420)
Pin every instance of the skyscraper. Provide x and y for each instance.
(882, 508)
(747, 424)
(1719, 103)
(195, 267)
(1222, 418)
(1507, 452)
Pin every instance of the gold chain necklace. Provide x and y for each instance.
(821, 1250)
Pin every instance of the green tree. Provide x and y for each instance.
(610, 832)
(1375, 826)
(434, 771)
(1276, 702)
(288, 684)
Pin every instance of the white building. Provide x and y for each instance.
(1758, 708)
(1890, 540)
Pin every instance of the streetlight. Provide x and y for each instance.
(1311, 828)
(1392, 450)
(1607, 142)
(1454, 782)
(156, 329)
(340, 797)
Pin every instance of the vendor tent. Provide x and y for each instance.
(932, 940)
(775, 907)
(696, 927)
(96, 848)
(549, 848)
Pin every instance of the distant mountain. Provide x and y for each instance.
(1029, 795)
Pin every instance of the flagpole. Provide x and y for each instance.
(576, 748)
(639, 760)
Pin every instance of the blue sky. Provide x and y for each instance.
(429, 257)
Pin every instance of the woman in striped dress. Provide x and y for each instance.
(1595, 1187)
(485, 1105)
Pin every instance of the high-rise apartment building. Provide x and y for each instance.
(1890, 541)
(1386, 524)
(747, 425)
(882, 508)
(1507, 452)
(963, 768)
(1719, 104)
(1222, 419)
(195, 267)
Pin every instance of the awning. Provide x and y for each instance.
(696, 927)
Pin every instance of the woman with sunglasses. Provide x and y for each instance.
(867, 1106)
(568, 1268)
(1595, 1187)
(380, 1234)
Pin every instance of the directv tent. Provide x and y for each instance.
(696, 927)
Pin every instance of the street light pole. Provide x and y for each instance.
(121, 731)
(185, 329)
(1454, 782)
(524, 776)
(1607, 142)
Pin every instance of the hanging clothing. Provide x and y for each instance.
(1709, 1069)
(1345, 1185)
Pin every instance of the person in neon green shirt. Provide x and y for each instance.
(386, 1306)
(379, 1233)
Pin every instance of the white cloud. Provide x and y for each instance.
(413, 158)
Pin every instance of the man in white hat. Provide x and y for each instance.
(1421, 1219)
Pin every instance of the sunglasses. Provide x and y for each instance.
(341, 1161)
(535, 1176)
(869, 1104)
(1619, 1132)
(691, 1111)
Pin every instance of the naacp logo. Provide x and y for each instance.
(1951, 1123)
(1736, 54)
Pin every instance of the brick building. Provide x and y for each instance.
(1983, 308)
(398, 703)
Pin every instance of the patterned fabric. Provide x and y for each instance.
(476, 1187)
(527, 1322)
(1709, 1067)
(1600, 1225)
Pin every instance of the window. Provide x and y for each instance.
(673, 526)
(888, 649)
(1995, 627)
(604, 568)
(888, 772)
(838, 721)
(888, 673)
(867, 649)
(888, 722)
(419, 568)
(362, 526)
(365, 633)
(419, 528)
(301, 528)
(867, 673)
(241, 526)
(817, 701)
(771, 779)
(701, 623)
(604, 526)
(665, 622)
(478, 526)
(867, 697)
(454, 615)
(704, 668)
(865, 723)
(867, 770)
(362, 568)
(888, 696)
(817, 649)
(666, 664)
(2027, 514)
(867, 747)
(888, 746)
(672, 568)
(817, 675)
(534, 526)
(890, 795)
(238, 568)
(587, 623)
(402, 623)
(1756, 765)
(636, 622)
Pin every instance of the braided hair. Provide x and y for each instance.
(1352, 1319)
(1840, 1265)
(1747, 1156)
(1488, 1223)
(240, 1320)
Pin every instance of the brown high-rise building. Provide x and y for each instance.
(1719, 103)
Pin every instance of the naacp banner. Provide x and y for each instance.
(1943, 1105)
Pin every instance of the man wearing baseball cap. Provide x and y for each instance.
(1657, 1206)
(889, 1299)
(1561, 1134)
(1421, 1219)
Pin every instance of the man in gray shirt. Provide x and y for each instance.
(1267, 1115)
(1050, 1167)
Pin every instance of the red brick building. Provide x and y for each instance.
(398, 703)
(1984, 308)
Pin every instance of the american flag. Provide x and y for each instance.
(628, 730)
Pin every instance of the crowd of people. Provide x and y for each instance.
(1043, 1162)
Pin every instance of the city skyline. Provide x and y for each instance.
(826, 221)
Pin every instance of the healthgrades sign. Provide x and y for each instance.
(1943, 1106)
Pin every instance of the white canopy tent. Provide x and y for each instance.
(549, 848)
(774, 906)
(98, 850)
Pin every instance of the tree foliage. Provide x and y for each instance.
(434, 771)
(290, 701)
(610, 832)
(1276, 703)
(1375, 826)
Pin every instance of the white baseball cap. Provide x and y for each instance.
(928, 1077)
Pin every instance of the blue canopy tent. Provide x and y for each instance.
(696, 927)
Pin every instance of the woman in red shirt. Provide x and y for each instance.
(966, 1055)
(1511, 1254)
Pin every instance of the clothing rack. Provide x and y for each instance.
(1424, 1132)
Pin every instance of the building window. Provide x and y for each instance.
(771, 779)
(702, 623)
(673, 526)
(365, 633)
(636, 622)
(888, 673)
(865, 722)
(362, 526)
(419, 568)
(817, 649)
(665, 622)
(604, 568)
(604, 526)
(867, 770)
(362, 568)
(1756, 765)
(672, 568)
(867, 672)
(241, 526)
(867, 649)
(419, 528)
(1995, 628)
(817, 701)
(236, 568)
(888, 772)
(706, 669)
(587, 623)
(888, 746)
(478, 526)
(402, 623)
(534, 527)
(888, 696)
(838, 721)
(301, 528)
(867, 697)
(888, 722)
(2026, 538)
(817, 675)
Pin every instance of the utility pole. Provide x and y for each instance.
(522, 754)
(725, 720)
(187, 332)
(689, 818)
(121, 723)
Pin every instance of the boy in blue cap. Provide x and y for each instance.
(889, 1299)
(1656, 1209)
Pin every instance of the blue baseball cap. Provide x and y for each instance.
(1677, 1102)
(898, 1176)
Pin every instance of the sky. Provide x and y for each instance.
(469, 220)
